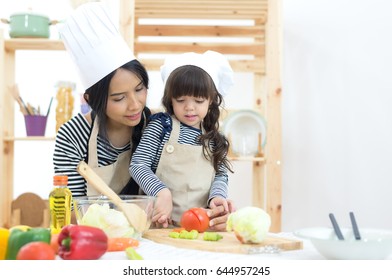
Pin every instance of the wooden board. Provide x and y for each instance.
(229, 243)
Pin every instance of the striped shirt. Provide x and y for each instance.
(71, 148)
(145, 159)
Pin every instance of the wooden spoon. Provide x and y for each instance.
(134, 214)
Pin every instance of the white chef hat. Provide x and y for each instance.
(94, 43)
(214, 63)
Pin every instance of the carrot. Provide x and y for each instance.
(178, 229)
(121, 243)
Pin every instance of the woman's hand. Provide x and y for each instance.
(219, 213)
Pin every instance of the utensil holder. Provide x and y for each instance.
(35, 125)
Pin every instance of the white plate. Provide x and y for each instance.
(243, 128)
(375, 244)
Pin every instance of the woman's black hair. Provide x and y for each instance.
(190, 80)
(97, 97)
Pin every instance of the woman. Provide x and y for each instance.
(105, 137)
(116, 90)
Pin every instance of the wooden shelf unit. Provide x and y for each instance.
(7, 104)
(264, 64)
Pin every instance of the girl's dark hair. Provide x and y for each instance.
(97, 97)
(190, 80)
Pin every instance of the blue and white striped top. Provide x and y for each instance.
(145, 159)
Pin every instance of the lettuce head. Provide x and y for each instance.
(250, 224)
(111, 221)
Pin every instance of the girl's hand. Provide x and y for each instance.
(163, 209)
(218, 214)
(217, 201)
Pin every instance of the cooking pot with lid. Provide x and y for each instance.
(29, 25)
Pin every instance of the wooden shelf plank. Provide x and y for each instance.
(201, 9)
(29, 138)
(237, 65)
(199, 30)
(257, 49)
(253, 159)
(11, 45)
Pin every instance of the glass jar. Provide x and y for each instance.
(65, 102)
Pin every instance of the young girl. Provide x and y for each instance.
(181, 157)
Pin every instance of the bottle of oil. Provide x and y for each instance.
(60, 200)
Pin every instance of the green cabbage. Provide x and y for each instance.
(111, 221)
(250, 224)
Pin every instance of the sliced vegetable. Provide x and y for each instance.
(212, 236)
(121, 243)
(79, 242)
(37, 250)
(184, 234)
(174, 234)
(193, 234)
(178, 229)
(195, 218)
(132, 254)
(18, 238)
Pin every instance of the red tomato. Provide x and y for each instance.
(195, 218)
(37, 250)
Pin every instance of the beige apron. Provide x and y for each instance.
(186, 172)
(115, 175)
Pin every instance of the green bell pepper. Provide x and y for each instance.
(18, 238)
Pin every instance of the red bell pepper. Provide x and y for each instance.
(78, 242)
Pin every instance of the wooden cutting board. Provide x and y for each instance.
(229, 243)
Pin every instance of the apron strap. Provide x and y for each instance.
(89, 135)
(175, 133)
(92, 144)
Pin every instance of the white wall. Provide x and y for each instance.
(336, 124)
(337, 121)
